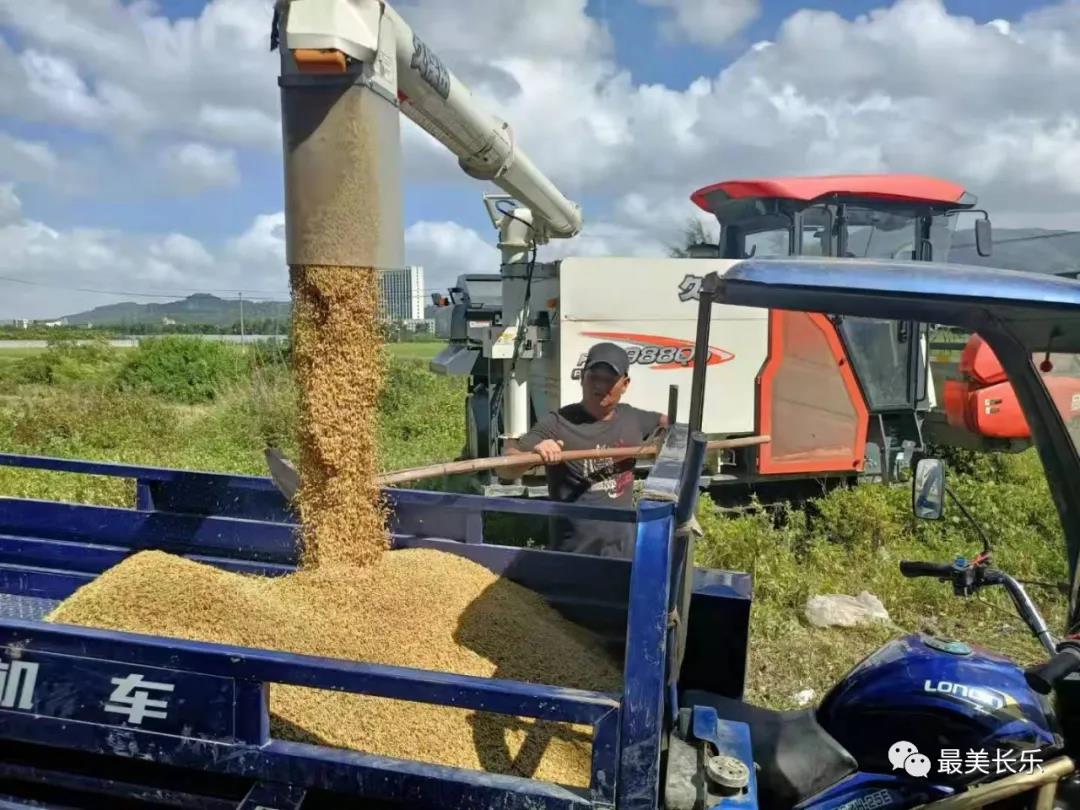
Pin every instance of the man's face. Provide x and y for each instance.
(596, 384)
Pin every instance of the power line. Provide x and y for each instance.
(177, 292)
(134, 293)
(1054, 235)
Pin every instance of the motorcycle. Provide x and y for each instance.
(927, 721)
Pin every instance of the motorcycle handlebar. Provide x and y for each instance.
(916, 568)
(966, 579)
(1043, 677)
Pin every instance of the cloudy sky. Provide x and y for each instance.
(140, 148)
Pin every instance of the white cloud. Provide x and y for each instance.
(827, 95)
(191, 168)
(56, 270)
(447, 250)
(10, 205)
(181, 249)
(907, 87)
(262, 244)
(707, 22)
(27, 161)
(126, 71)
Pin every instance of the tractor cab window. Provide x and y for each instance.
(885, 357)
(1061, 375)
(840, 229)
(768, 244)
(861, 232)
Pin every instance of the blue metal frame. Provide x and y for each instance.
(47, 550)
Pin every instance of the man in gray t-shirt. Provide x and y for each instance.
(599, 421)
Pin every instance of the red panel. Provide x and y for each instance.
(808, 399)
(995, 412)
(956, 404)
(980, 363)
(985, 403)
(901, 187)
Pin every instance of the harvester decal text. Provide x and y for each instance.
(430, 67)
(660, 352)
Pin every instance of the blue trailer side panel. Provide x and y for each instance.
(643, 697)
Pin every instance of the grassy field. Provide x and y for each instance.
(10, 355)
(417, 351)
(182, 403)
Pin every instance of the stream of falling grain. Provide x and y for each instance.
(339, 368)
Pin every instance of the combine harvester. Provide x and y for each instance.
(840, 397)
(93, 719)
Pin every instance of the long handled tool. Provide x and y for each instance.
(287, 479)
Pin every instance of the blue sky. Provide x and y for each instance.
(166, 168)
(649, 58)
(676, 64)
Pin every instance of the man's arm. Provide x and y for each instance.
(541, 439)
(650, 422)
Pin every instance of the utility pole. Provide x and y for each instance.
(240, 295)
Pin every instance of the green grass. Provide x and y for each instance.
(18, 352)
(853, 540)
(846, 542)
(420, 350)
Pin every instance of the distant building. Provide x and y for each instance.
(61, 322)
(401, 294)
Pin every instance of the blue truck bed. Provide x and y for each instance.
(92, 718)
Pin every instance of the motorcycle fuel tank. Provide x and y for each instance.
(946, 700)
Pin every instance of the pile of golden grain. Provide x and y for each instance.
(354, 600)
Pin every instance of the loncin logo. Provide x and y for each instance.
(661, 352)
(979, 695)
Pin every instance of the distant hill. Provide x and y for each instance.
(200, 308)
(1035, 250)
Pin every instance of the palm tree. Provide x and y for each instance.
(694, 235)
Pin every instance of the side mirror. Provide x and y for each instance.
(984, 240)
(928, 489)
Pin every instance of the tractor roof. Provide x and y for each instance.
(1039, 308)
(896, 188)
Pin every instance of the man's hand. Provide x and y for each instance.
(550, 450)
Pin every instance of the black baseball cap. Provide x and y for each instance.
(608, 354)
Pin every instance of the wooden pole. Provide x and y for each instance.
(534, 459)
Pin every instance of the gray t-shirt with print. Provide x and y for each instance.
(596, 482)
